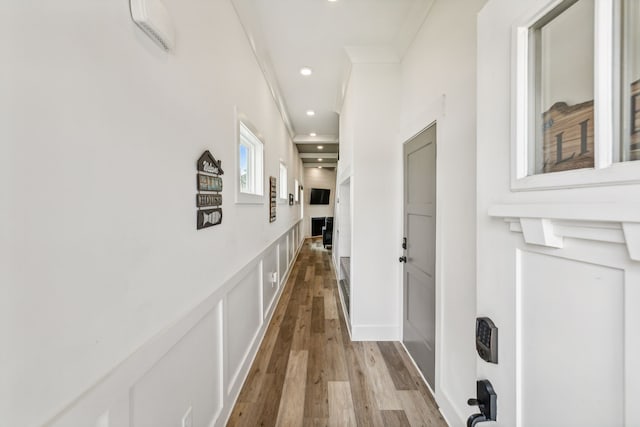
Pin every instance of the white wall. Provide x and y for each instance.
(386, 104)
(100, 134)
(370, 112)
(318, 178)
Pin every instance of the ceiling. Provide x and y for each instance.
(326, 36)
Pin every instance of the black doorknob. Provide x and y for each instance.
(403, 259)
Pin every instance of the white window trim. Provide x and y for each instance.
(241, 197)
(283, 198)
(605, 171)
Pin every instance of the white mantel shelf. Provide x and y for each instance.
(548, 224)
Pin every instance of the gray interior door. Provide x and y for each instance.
(419, 332)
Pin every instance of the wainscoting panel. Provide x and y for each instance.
(291, 245)
(269, 286)
(282, 257)
(579, 347)
(187, 376)
(243, 318)
(200, 361)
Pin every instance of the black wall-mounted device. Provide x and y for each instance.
(487, 339)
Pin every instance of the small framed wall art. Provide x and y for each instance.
(209, 186)
(209, 183)
(209, 217)
(272, 198)
(208, 200)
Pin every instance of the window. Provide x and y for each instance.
(284, 191)
(296, 190)
(250, 166)
(562, 124)
(630, 80)
(576, 101)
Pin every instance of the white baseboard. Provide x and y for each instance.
(375, 332)
(448, 412)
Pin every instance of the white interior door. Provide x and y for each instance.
(419, 324)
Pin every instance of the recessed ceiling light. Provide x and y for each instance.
(319, 167)
(320, 147)
(306, 71)
(312, 134)
(319, 160)
(332, 1)
(311, 113)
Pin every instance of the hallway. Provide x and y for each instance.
(308, 372)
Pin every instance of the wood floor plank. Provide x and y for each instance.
(241, 414)
(302, 332)
(315, 422)
(395, 419)
(317, 315)
(318, 286)
(291, 411)
(383, 386)
(361, 389)
(330, 306)
(317, 396)
(396, 367)
(336, 359)
(280, 354)
(265, 410)
(310, 273)
(416, 377)
(418, 412)
(341, 405)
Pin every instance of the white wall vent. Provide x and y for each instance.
(153, 18)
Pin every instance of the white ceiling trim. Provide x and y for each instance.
(372, 54)
(344, 85)
(321, 164)
(408, 32)
(318, 155)
(263, 60)
(318, 139)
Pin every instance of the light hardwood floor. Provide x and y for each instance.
(309, 373)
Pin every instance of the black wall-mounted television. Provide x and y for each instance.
(320, 196)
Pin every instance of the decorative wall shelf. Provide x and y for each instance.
(548, 224)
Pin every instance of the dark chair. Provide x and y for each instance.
(327, 231)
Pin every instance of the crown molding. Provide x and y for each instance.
(248, 21)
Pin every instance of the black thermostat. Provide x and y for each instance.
(487, 339)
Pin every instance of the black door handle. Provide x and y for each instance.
(486, 400)
(403, 259)
(475, 419)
